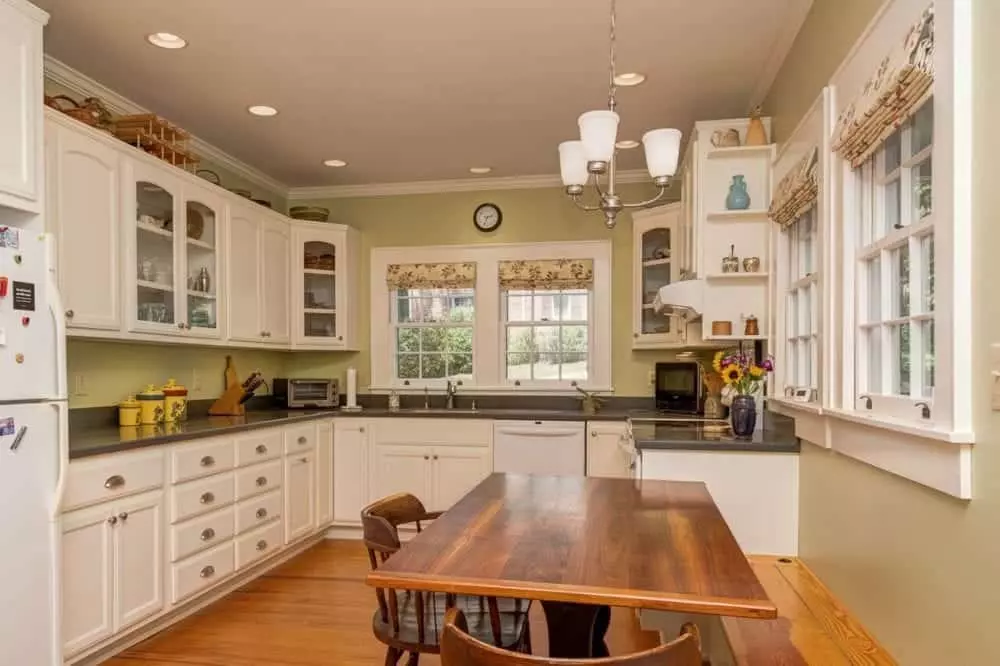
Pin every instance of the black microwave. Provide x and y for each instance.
(678, 387)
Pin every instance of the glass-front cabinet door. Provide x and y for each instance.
(203, 216)
(155, 199)
(656, 264)
(318, 255)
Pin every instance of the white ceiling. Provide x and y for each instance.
(411, 90)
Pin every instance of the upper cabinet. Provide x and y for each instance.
(324, 260)
(148, 252)
(21, 105)
(656, 262)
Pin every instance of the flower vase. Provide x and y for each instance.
(743, 416)
(738, 197)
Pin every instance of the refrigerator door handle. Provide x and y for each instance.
(62, 415)
(58, 317)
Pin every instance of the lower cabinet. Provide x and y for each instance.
(112, 564)
(457, 470)
(324, 473)
(300, 495)
(350, 470)
(605, 455)
(438, 475)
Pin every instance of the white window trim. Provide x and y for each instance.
(790, 285)
(489, 335)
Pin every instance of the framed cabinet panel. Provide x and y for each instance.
(656, 262)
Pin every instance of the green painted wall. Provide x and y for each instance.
(528, 215)
(921, 570)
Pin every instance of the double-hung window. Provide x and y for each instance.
(803, 303)
(546, 334)
(894, 254)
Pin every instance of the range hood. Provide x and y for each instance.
(684, 299)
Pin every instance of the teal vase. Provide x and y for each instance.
(738, 198)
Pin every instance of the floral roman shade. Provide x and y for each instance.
(431, 276)
(547, 274)
(894, 92)
(797, 191)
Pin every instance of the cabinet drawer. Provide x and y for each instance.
(201, 571)
(260, 543)
(198, 497)
(256, 511)
(258, 479)
(200, 533)
(258, 447)
(459, 432)
(108, 477)
(192, 461)
(300, 438)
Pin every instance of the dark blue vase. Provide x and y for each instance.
(738, 197)
(743, 416)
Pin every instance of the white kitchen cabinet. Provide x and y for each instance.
(606, 457)
(457, 470)
(300, 495)
(245, 275)
(276, 239)
(403, 468)
(324, 261)
(350, 470)
(112, 568)
(324, 473)
(655, 236)
(83, 213)
(21, 105)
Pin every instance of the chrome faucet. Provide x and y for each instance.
(452, 389)
(867, 399)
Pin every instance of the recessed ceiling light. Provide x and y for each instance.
(627, 144)
(629, 79)
(480, 171)
(335, 163)
(166, 40)
(261, 110)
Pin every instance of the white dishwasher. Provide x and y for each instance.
(540, 447)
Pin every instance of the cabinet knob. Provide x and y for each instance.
(593, 433)
(261, 514)
(207, 461)
(303, 460)
(263, 334)
(340, 337)
(180, 325)
(207, 534)
(207, 498)
(262, 545)
(435, 457)
(70, 314)
(207, 572)
(361, 429)
(114, 482)
(635, 335)
(261, 481)
(302, 440)
(427, 457)
(113, 520)
(123, 516)
(261, 449)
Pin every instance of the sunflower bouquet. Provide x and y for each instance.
(741, 373)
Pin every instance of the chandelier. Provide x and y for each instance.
(594, 154)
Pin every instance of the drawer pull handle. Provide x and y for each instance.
(261, 514)
(207, 572)
(113, 520)
(261, 545)
(123, 516)
(207, 498)
(261, 449)
(261, 481)
(207, 534)
(207, 461)
(302, 440)
(114, 482)
(303, 460)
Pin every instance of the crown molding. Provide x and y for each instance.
(444, 186)
(795, 15)
(83, 85)
(35, 13)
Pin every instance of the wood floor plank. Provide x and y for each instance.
(315, 610)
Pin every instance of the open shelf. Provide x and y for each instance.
(740, 151)
(655, 262)
(201, 294)
(736, 276)
(324, 311)
(733, 338)
(737, 215)
(154, 230)
(194, 242)
(318, 271)
(155, 286)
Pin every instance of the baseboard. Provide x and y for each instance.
(102, 652)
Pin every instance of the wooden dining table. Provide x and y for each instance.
(581, 545)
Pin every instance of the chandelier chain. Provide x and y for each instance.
(612, 73)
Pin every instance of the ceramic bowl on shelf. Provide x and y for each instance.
(309, 213)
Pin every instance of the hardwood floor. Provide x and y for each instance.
(316, 611)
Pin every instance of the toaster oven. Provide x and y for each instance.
(298, 393)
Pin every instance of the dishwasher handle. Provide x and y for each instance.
(540, 432)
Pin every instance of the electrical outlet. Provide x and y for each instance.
(651, 379)
(79, 384)
(195, 381)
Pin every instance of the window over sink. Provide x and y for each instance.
(433, 333)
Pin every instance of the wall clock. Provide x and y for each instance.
(487, 217)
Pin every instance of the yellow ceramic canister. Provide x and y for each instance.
(128, 412)
(175, 402)
(150, 406)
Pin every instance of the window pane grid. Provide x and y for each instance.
(547, 335)
(802, 303)
(433, 333)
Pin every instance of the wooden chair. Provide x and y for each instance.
(459, 648)
(411, 621)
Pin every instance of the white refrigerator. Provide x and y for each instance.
(33, 446)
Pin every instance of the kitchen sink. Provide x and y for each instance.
(442, 411)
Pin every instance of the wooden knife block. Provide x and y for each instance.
(228, 404)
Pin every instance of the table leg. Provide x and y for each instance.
(576, 630)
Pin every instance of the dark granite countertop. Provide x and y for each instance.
(777, 436)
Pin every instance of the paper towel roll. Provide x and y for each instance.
(352, 387)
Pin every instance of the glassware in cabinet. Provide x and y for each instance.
(155, 253)
(202, 264)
